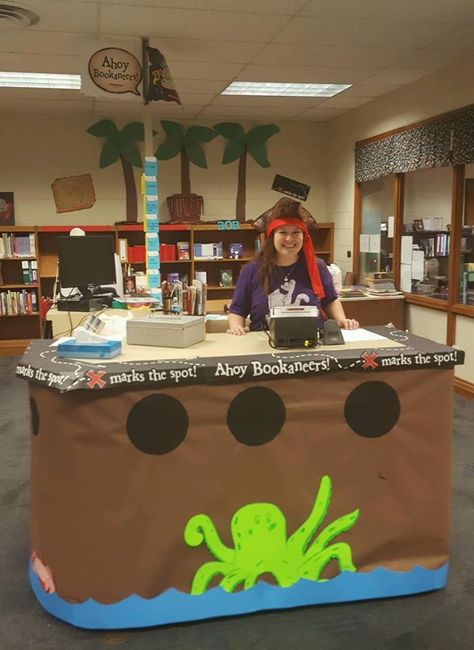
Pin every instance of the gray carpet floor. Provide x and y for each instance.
(439, 620)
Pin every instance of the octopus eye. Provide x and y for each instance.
(35, 419)
(157, 424)
(256, 416)
(372, 409)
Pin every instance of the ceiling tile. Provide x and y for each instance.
(190, 49)
(43, 63)
(356, 32)
(211, 71)
(432, 10)
(248, 111)
(64, 16)
(305, 74)
(197, 24)
(345, 102)
(267, 102)
(428, 59)
(60, 44)
(286, 7)
(396, 76)
(200, 86)
(330, 56)
(463, 40)
(40, 106)
(369, 91)
(319, 114)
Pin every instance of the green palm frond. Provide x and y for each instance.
(110, 153)
(130, 152)
(103, 129)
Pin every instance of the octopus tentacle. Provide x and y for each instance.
(201, 528)
(206, 573)
(300, 538)
(338, 526)
(232, 579)
(314, 565)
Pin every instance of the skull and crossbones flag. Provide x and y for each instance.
(160, 86)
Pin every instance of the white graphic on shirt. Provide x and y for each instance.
(284, 295)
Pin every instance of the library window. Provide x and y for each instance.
(425, 233)
(376, 234)
(466, 270)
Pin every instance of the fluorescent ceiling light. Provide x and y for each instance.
(283, 90)
(39, 80)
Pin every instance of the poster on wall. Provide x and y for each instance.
(113, 70)
(73, 193)
(7, 209)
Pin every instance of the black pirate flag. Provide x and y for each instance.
(160, 85)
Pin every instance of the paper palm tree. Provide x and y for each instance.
(187, 143)
(121, 145)
(240, 144)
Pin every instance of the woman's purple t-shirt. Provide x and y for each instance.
(290, 285)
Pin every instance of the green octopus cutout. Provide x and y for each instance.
(261, 545)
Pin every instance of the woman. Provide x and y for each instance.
(286, 272)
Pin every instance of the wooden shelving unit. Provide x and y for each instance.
(17, 331)
(20, 320)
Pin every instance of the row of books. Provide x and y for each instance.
(14, 303)
(210, 251)
(172, 252)
(437, 246)
(182, 299)
(12, 245)
(29, 269)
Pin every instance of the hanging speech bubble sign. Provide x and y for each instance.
(115, 71)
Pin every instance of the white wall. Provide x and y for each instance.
(34, 152)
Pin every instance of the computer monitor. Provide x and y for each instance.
(86, 261)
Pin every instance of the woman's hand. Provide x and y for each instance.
(348, 323)
(237, 330)
(237, 325)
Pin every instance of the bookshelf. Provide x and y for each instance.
(20, 291)
(323, 240)
(16, 331)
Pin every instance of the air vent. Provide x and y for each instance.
(13, 17)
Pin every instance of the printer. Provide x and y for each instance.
(293, 326)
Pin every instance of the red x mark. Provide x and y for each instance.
(95, 378)
(369, 360)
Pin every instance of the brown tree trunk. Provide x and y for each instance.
(241, 188)
(130, 190)
(185, 177)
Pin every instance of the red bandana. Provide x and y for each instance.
(308, 250)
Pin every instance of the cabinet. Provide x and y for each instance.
(20, 292)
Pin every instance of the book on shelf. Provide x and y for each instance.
(226, 278)
(208, 251)
(167, 252)
(182, 248)
(123, 249)
(236, 250)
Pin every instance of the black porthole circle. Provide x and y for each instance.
(157, 424)
(35, 419)
(256, 416)
(372, 409)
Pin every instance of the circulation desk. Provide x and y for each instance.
(174, 485)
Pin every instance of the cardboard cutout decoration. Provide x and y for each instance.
(73, 193)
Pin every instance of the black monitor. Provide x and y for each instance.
(86, 261)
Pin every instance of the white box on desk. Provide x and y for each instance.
(166, 331)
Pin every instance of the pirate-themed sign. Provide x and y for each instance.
(113, 69)
(296, 189)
